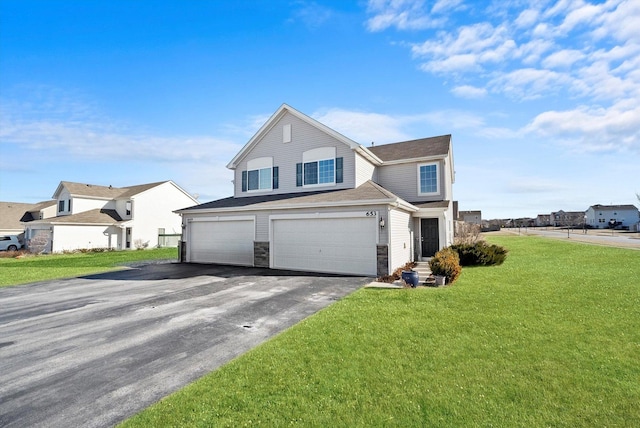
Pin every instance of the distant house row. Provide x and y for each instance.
(595, 217)
(86, 216)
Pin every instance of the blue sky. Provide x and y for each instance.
(542, 97)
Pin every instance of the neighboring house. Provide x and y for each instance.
(10, 215)
(90, 216)
(566, 218)
(605, 216)
(40, 211)
(542, 220)
(307, 198)
(473, 217)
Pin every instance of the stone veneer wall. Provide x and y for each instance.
(261, 254)
(382, 259)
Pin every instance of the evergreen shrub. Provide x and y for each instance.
(480, 253)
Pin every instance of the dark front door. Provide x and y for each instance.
(430, 234)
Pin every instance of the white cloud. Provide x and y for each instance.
(364, 127)
(401, 14)
(311, 14)
(526, 18)
(445, 5)
(62, 124)
(562, 59)
(468, 91)
(593, 129)
(529, 83)
(465, 51)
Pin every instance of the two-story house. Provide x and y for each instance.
(607, 216)
(307, 198)
(90, 216)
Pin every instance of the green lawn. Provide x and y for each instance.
(550, 338)
(54, 266)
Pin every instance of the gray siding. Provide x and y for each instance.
(402, 179)
(286, 155)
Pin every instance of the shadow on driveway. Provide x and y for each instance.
(175, 270)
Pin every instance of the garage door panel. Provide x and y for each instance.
(225, 242)
(334, 245)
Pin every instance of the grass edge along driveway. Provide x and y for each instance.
(550, 338)
(45, 267)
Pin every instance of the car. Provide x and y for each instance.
(10, 243)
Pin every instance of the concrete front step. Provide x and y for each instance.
(423, 271)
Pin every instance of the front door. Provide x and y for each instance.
(430, 236)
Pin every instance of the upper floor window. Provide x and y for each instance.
(60, 206)
(428, 179)
(127, 208)
(319, 167)
(260, 175)
(259, 179)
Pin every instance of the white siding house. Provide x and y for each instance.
(606, 216)
(91, 216)
(307, 198)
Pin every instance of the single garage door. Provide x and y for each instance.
(221, 241)
(332, 245)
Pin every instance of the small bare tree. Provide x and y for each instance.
(467, 233)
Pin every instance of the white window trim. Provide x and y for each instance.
(438, 183)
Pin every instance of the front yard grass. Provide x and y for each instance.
(54, 266)
(550, 338)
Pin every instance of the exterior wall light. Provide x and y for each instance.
(381, 223)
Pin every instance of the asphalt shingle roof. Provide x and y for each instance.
(368, 191)
(413, 149)
(11, 213)
(109, 192)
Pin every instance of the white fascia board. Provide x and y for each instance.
(58, 190)
(397, 202)
(368, 155)
(225, 218)
(60, 223)
(414, 160)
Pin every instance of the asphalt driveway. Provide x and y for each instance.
(93, 351)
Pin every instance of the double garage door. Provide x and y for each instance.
(344, 245)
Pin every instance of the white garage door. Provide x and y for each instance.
(332, 245)
(225, 242)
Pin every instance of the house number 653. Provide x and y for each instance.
(371, 214)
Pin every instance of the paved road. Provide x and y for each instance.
(92, 351)
(592, 236)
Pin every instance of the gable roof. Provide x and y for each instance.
(613, 207)
(367, 193)
(284, 109)
(414, 149)
(105, 192)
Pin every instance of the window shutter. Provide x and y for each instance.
(244, 181)
(298, 175)
(275, 177)
(339, 175)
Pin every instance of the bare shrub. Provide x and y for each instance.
(466, 233)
